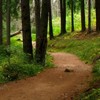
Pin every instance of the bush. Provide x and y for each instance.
(18, 71)
(12, 71)
(93, 94)
(96, 68)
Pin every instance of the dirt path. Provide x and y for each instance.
(52, 84)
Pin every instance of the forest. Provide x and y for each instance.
(49, 50)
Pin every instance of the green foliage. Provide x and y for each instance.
(49, 61)
(86, 49)
(33, 37)
(2, 78)
(96, 69)
(94, 94)
(13, 6)
(17, 71)
(17, 65)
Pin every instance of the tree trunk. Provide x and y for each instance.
(72, 15)
(89, 16)
(97, 15)
(38, 21)
(42, 36)
(82, 16)
(8, 21)
(50, 21)
(0, 22)
(26, 28)
(63, 16)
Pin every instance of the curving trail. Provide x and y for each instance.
(51, 84)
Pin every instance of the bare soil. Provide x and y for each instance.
(69, 78)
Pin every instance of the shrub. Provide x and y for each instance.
(17, 71)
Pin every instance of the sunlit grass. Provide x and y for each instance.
(86, 49)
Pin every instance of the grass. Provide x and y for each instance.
(94, 94)
(15, 65)
(86, 49)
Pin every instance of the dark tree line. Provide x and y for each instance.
(43, 19)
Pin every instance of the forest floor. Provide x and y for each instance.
(68, 78)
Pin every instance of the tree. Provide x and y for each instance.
(97, 15)
(89, 16)
(72, 15)
(8, 21)
(82, 16)
(26, 28)
(0, 22)
(37, 20)
(50, 21)
(63, 16)
(41, 37)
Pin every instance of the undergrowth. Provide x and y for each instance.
(93, 94)
(14, 64)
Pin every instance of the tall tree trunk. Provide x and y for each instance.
(63, 16)
(82, 16)
(97, 15)
(72, 15)
(0, 22)
(38, 32)
(89, 16)
(8, 21)
(26, 28)
(50, 21)
(42, 37)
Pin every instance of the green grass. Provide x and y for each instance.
(14, 64)
(94, 94)
(86, 49)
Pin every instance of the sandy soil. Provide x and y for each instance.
(51, 84)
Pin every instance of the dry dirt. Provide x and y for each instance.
(51, 84)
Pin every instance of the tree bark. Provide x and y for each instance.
(72, 15)
(89, 16)
(8, 21)
(97, 15)
(50, 21)
(82, 16)
(26, 28)
(42, 36)
(63, 16)
(38, 21)
(0, 22)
